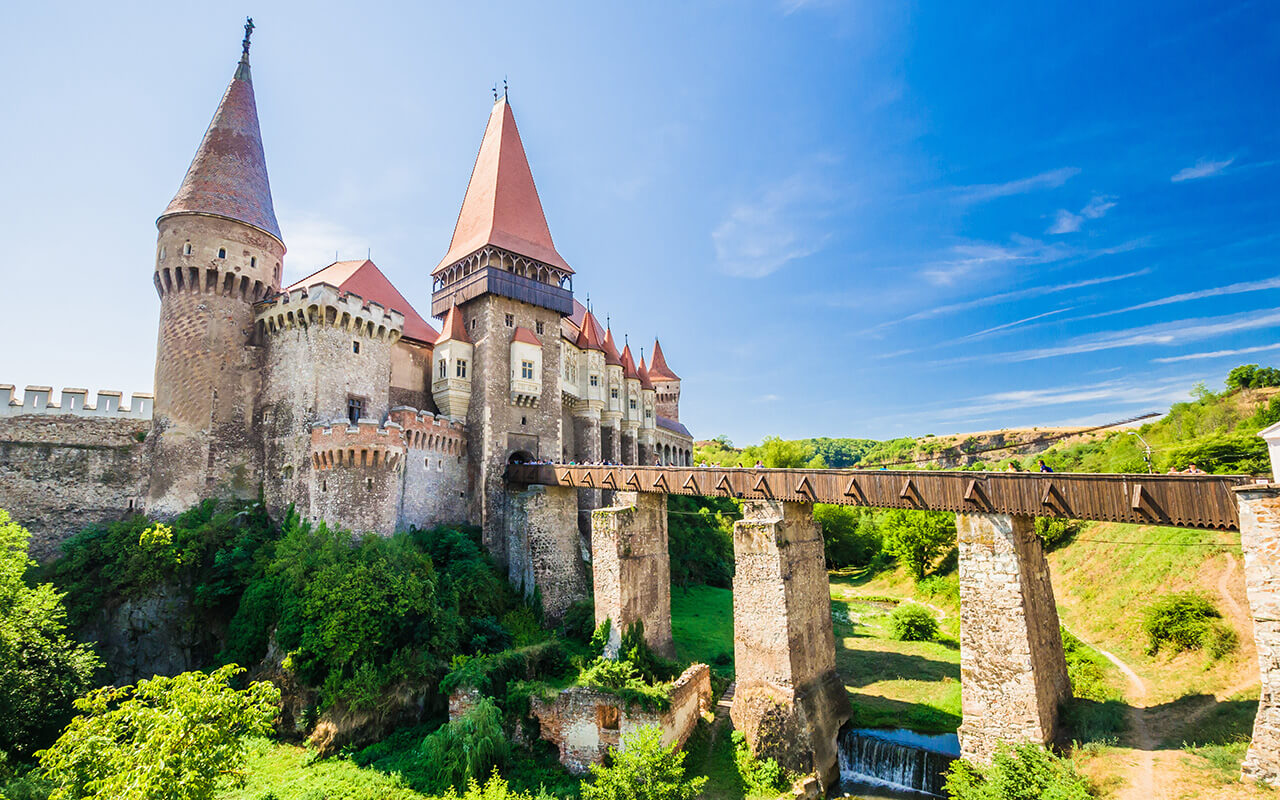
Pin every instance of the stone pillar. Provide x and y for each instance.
(644, 454)
(543, 547)
(789, 701)
(631, 569)
(1260, 538)
(1013, 675)
(628, 447)
(611, 442)
(586, 437)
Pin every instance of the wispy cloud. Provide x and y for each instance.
(1052, 179)
(965, 259)
(1217, 354)
(1202, 169)
(314, 241)
(1068, 222)
(1016, 323)
(760, 236)
(1118, 392)
(1243, 287)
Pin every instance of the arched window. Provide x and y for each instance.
(186, 249)
(253, 261)
(222, 252)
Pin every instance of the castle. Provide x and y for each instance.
(334, 395)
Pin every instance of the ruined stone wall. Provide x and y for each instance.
(208, 369)
(543, 548)
(789, 701)
(1260, 539)
(356, 476)
(1012, 669)
(60, 473)
(584, 723)
(497, 428)
(631, 569)
(435, 474)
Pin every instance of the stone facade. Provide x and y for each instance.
(1260, 539)
(631, 570)
(584, 723)
(1012, 670)
(543, 549)
(789, 701)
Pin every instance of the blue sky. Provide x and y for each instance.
(843, 219)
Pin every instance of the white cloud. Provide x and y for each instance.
(1164, 333)
(1217, 354)
(1052, 179)
(313, 242)
(968, 258)
(760, 236)
(1016, 323)
(1067, 222)
(1201, 169)
(1235, 288)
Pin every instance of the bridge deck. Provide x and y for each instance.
(1185, 501)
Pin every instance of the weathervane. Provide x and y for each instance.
(248, 31)
(504, 88)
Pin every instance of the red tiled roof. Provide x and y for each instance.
(228, 176)
(525, 335)
(611, 350)
(628, 364)
(645, 382)
(501, 207)
(659, 370)
(589, 337)
(453, 328)
(363, 278)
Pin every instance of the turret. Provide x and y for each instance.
(633, 410)
(454, 357)
(666, 385)
(614, 396)
(648, 422)
(219, 250)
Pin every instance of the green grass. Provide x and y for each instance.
(710, 753)
(702, 626)
(284, 772)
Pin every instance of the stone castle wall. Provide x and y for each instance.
(1260, 538)
(62, 472)
(543, 548)
(356, 476)
(435, 490)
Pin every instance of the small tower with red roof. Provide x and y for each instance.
(611, 412)
(666, 385)
(218, 251)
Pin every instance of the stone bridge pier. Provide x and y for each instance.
(1013, 674)
(631, 569)
(789, 701)
(544, 551)
(1259, 507)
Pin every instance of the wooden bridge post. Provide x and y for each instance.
(789, 701)
(631, 569)
(1013, 675)
(1259, 506)
(543, 548)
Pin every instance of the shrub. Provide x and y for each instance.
(622, 680)
(759, 775)
(1025, 772)
(917, 538)
(579, 621)
(1181, 620)
(1056, 532)
(468, 747)
(643, 770)
(913, 623)
(495, 788)
(700, 540)
(1221, 640)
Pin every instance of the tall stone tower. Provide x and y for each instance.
(219, 251)
(511, 288)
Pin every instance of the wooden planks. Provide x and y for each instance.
(1184, 501)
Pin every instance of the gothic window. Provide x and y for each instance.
(355, 347)
(526, 370)
(511, 320)
(538, 325)
(613, 393)
(648, 413)
(355, 409)
(222, 252)
(444, 368)
(462, 368)
(595, 380)
(633, 404)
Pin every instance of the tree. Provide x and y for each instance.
(41, 670)
(779, 453)
(1241, 377)
(165, 739)
(1024, 772)
(917, 538)
(643, 769)
(849, 535)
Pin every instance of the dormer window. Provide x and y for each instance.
(462, 368)
(222, 252)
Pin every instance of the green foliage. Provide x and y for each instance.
(918, 538)
(700, 539)
(579, 621)
(1251, 376)
(913, 623)
(1096, 712)
(652, 667)
(41, 670)
(1183, 621)
(622, 680)
(758, 775)
(1025, 772)
(492, 673)
(165, 739)
(468, 747)
(495, 788)
(850, 535)
(643, 770)
(600, 637)
(1056, 532)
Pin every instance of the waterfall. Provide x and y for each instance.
(875, 757)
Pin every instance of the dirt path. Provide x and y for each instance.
(1142, 775)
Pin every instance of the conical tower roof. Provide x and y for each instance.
(587, 338)
(628, 363)
(453, 328)
(611, 350)
(228, 176)
(659, 369)
(501, 207)
(645, 381)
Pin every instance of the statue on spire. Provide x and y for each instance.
(248, 31)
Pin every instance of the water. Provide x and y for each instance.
(885, 763)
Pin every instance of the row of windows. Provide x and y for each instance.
(510, 319)
(187, 250)
(460, 367)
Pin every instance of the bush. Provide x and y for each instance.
(1025, 772)
(1182, 620)
(643, 770)
(850, 536)
(759, 775)
(918, 538)
(495, 788)
(1056, 532)
(1221, 640)
(913, 623)
(468, 747)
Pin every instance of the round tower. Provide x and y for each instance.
(219, 251)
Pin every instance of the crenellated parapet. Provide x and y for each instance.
(35, 400)
(426, 431)
(365, 445)
(325, 305)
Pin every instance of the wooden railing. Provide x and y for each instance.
(1184, 501)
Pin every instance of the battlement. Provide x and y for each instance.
(223, 281)
(366, 444)
(323, 304)
(75, 402)
(426, 431)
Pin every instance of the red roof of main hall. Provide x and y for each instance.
(363, 278)
(501, 207)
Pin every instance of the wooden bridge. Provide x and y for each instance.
(1184, 501)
